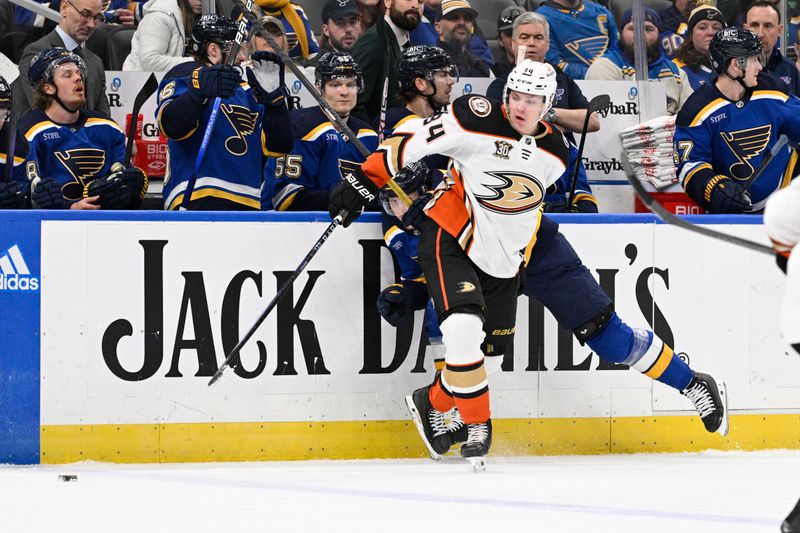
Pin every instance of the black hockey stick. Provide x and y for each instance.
(281, 292)
(11, 146)
(150, 86)
(779, 144)
(659, 210)
(598, 103)
(334, 117)
(242, 32)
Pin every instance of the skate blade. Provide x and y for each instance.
(478, 464)
(412, 409)
(723, 395)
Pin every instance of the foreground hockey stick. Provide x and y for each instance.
(11, 146)
(150, 86)
(598, 103)
(281, 292)
(337, 122)
(242, 31)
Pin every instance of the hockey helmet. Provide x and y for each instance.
(338, 66)
(414, 177)
(5, 94)
(210, 28)
(733, 43)
(44, 62)
(532, 77)
(422, 62)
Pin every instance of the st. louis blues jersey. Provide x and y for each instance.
(395, 118)
(303, 178)
(714, 135)
(578, 36)
(20, 152)
(72, 154)
(233, 163)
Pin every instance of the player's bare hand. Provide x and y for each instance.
(125, 17)
(90, 202)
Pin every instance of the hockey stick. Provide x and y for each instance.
(598, 103)
(150, 86)
(779, 144)
(659, 210)
(241, 34)
(11, 146)
(281, 292)
(334, 118)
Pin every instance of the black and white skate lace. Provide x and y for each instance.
(702, 398)
(477, 434)
(438, 422)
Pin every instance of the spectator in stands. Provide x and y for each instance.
(505, 25)
(160, 40)
(302, 179)
(675, 18)
(341, 26)
(426, 34)
(455, 27)
(378, 50)
(618, 62)
(275, 29)
(125, 13)
(692, 56)
(302, 43)
(78, 20)
(530, 30)
(74, 152)
(580, 32)
(369, 11)
(764, 19)
(20, 27)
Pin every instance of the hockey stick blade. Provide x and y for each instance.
(284, 289)
(150, 86)
(659, 210)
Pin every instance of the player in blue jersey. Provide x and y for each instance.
(728, 126)
(13, 185)
(75, 158)
(253, 121)
(302, 179)
(580, 32)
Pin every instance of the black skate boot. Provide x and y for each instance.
(711, 401)
(792, 522)
(431, 424)
(456, 427)
(479, 440)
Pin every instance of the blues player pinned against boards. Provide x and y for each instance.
(476, 231)
(13, 184)
(302, 179)
(728, 126)
(253, 121)
(76, 157)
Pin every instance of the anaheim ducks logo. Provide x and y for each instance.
(517, 193)
(243, 122)
(745, 145)
(83, 164)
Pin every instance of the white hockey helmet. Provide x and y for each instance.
(532, 77)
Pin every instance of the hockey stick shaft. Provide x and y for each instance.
(334, 117)
(11, 146)
(280, 294)
(599, 102)
(241, 35)
(150, 86)
(669, 218)
(777, 147)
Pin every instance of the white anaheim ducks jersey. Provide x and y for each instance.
(491, 198)
(782, 221)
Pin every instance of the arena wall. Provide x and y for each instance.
(111, 325)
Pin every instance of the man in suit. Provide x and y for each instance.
(78, 20)
(378, 52)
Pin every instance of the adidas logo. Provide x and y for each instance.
(14, 272)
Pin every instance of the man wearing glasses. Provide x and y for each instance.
(79, 18)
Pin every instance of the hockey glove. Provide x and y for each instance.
(137, 182)
(112, 190)
(415, 215)
(394, 305)
(210, 82)
(266, 79)
(351, 194)
(560, 206)
(46, 194)
(724, 195)
(13, 195)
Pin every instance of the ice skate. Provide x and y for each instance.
(479, 440)
(792, 522)
(711, 401)
(432, 424)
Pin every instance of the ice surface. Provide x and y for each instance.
(676, 493)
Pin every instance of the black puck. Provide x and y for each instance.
(68, 477)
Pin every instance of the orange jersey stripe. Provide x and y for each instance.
(439, 266)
